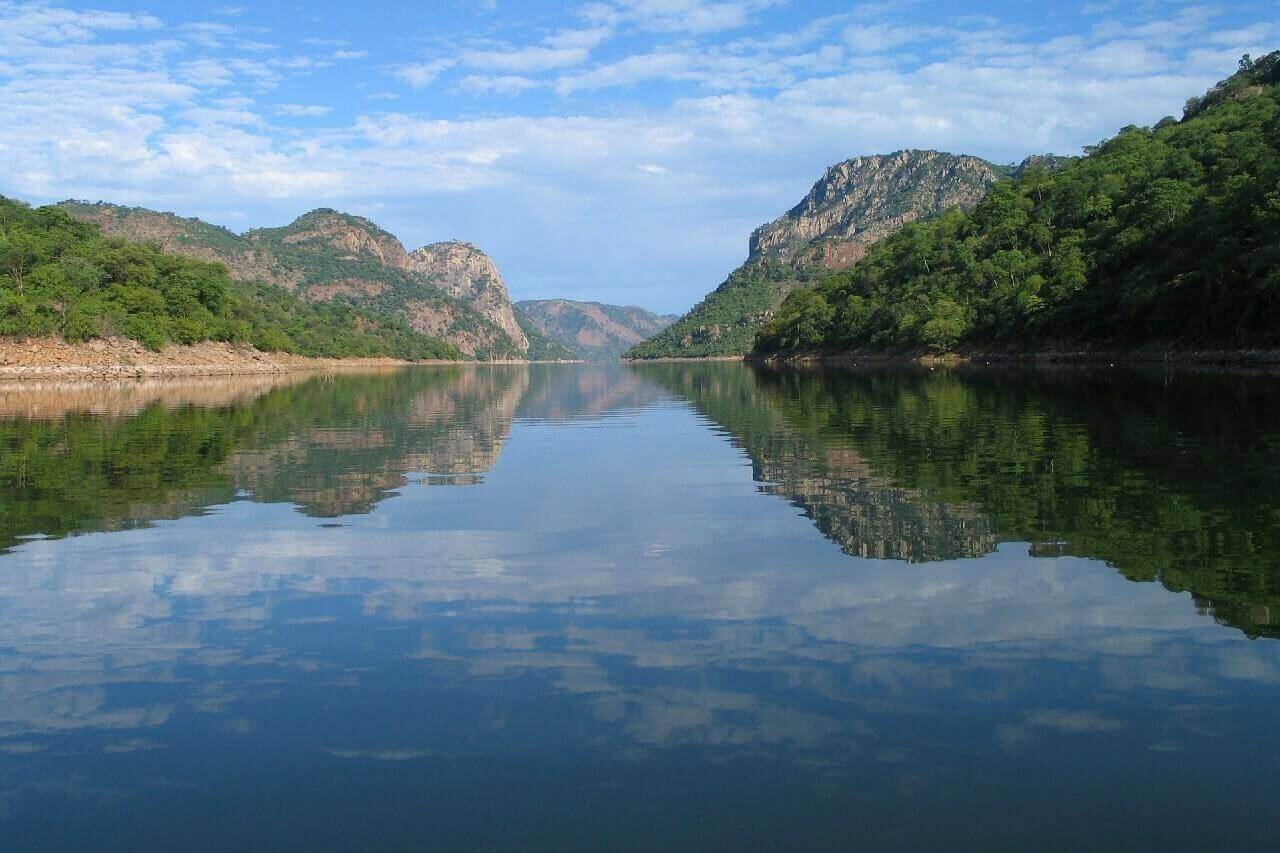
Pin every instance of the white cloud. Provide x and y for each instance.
(676, 16)
(876, 38)
(629, 71)
(303, 110)
(504, 84)
(420, 74)
(535, 58)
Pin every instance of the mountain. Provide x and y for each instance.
(854, 205)
(592, 330)
(65, 278)
(541, 347)
(448, 290)
(1163, 238)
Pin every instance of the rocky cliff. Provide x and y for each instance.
(865, 199)
(470, 276)
(854, 204)
(592, 330)
(449, 290)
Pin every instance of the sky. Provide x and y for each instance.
(615, 150)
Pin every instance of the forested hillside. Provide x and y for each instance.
(59, 276)
(450, 291)
(1166, 236)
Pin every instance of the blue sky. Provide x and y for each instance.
(619, 150)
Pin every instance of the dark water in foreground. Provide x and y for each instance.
(677, 605)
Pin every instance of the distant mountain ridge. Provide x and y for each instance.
(855, 204)
(593, 330)
(449, 290)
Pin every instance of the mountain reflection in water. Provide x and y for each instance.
(258, 613)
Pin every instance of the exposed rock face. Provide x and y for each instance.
(469, 275)
(594, 331)
(863, 200)
(451, 290)
(855, 204)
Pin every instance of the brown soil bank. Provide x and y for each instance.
(119, 358)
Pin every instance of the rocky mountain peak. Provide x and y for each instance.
(464, 272)
(864, 199)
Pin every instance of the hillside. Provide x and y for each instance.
(592, 330)
(854, 205)
(62, 277)
(541, 347)
(448, 290)
(1164, 237)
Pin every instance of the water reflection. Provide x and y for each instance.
(1168, 477)
(608, 637)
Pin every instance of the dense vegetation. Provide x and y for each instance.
(59, 276)
(1164, 236)
(925, 465)
(726, 321)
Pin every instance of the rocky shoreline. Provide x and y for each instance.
(121, 358)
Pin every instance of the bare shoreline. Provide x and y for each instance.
(121, 358)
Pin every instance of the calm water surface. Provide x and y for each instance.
(681, 605)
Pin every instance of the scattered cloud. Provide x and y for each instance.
(676, 16)
(420, 74)
(504, 84)
(303, 110)
(565, 48)
(568, 122)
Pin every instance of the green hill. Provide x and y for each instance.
(1166, 237)
(450, 291)
(62, 277)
